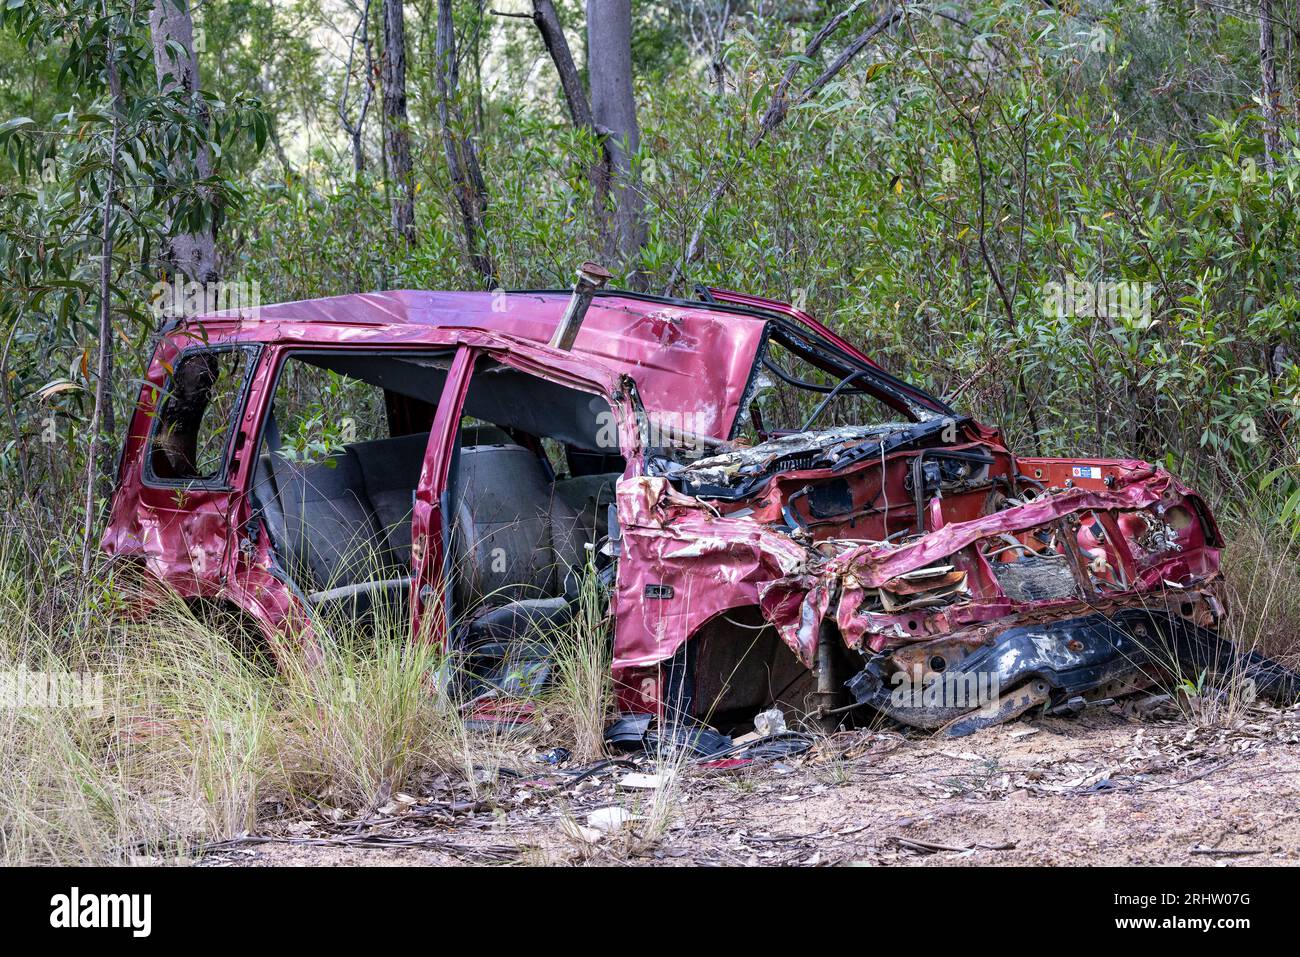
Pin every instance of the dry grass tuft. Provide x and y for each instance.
(580, 703)
(1261, 571)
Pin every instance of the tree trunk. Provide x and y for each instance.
(613, 108)
(718, 41)
(1268, 92)
(192, 254)
(102, 416)
(397, 137)
(355, 130)
(462, 158)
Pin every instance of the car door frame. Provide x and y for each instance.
(432, 514)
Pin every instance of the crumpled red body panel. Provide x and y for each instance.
(721, 563)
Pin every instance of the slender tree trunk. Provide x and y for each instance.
(1268, 92)
(102, 414)
(462, 158)
(613, 108)
(172, 29)
(355, 130)
(718, 40)
(397, 136)
(557, 45)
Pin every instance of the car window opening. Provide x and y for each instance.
(532, 484)
(191, 435)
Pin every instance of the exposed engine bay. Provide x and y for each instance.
(956, 585)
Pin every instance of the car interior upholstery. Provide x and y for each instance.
(519, 534)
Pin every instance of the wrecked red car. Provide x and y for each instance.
(777, 519)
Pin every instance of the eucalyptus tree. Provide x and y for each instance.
(191, 252)
(103, 188)
(397, 133)
(608, 112)
(613, 110)
(462, 155)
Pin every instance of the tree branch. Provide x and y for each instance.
(779, 108)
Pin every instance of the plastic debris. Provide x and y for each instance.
(769, 722)
(607, 820)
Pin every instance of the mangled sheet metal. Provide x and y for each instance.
(925, 555)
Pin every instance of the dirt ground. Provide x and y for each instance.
(1101, 788)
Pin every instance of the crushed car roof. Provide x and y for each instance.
(693, 360)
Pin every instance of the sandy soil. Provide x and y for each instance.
(1101, 788)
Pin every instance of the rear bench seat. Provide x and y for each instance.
(390, 469)
(346, 523)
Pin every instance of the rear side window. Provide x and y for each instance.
(191, 435)
(319, 410)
